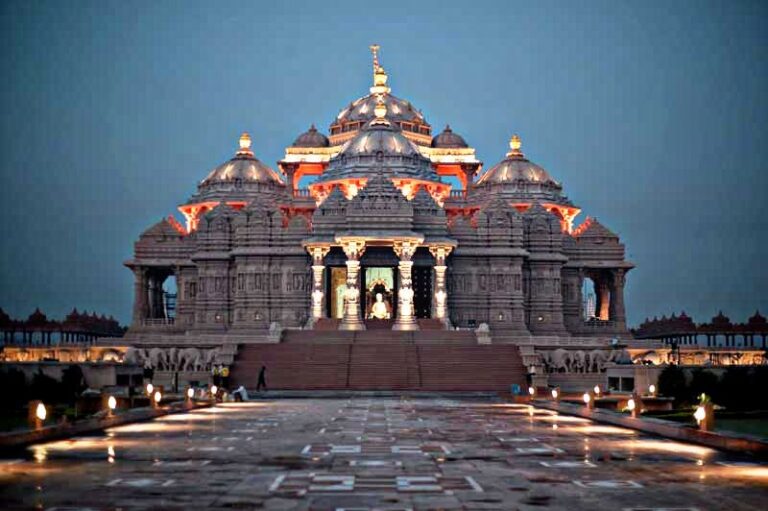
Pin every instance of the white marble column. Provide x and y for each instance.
(440, 297)
(406, 317)
(318, 284)
(352, 319)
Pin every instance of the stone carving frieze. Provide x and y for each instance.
(173, 359)
(582, 361)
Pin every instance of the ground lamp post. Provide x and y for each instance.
(149, 388)
(37, 414)
(156, 398)
(705, 414)
(214, 391)
(596, 390)
(634, 405)
(532, 392)
(111, 406)
(588, 401)
(556, 394)
(190, 395)
(652, 390)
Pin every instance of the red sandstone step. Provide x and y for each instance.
(392, 363)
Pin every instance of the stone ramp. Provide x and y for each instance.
(371, 360)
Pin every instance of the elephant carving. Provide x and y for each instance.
(597, 360)
(578, 362)
(211, 357)
(135, 356)
(190, 359)
(560, 359)
(157, 358)
(173, 359)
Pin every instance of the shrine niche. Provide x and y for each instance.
(379, 293)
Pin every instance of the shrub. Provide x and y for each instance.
(738, 390)
(705, 382)
(672, 383)
(14, 381)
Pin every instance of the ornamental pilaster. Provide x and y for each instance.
(406, 317)
(352, 319)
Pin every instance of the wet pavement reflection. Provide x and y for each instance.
(379, 454)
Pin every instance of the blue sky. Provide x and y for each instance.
(652, 114)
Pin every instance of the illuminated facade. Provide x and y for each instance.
(396, 229)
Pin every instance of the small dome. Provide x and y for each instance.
(311, 138)
(243, 168)
(515, 167)
(449, 140)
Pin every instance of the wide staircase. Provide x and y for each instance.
(428, 360)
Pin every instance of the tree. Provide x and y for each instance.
(672, 383)
(72, 383)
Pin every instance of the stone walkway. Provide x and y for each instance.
(379, 454)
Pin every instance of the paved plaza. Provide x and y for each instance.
(379, 454)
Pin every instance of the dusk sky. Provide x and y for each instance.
(653, 115)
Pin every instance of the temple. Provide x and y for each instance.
(378, 226)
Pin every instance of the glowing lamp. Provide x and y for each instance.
(652, 389)
(158, 396)
(214, 390)
(40, 412)
(587, 398)
(112, 403)
(597, 390)
(150, 388)
(631, 405)
(555, 393)
(190, 393)
(532, 391)
(700, 414)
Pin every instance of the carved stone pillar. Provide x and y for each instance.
(289, 169)
(352, 319)
(440, 297)
(617, 312)
(406, 317)
(602, 299)
(140, 296)
(318, 285)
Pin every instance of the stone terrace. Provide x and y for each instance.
(379, 454)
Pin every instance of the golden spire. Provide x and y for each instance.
(245, 144)
(514, 145)
(379, 75)
(375, 51)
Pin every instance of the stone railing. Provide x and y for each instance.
(157, 322)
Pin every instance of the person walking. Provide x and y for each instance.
(262, 379)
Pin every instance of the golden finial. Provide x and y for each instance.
(245, 144)
(379, 75)
(375, 51)
(514, 145)
(380, 110)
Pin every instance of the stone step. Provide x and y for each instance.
(387, 365)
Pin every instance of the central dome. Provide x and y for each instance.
(399, 111)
